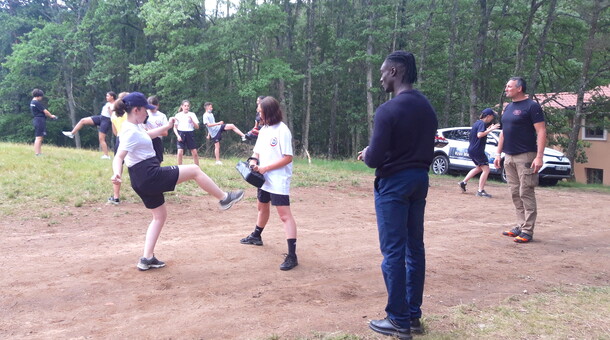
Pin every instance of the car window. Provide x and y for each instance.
(462, 135)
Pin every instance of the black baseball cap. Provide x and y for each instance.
(487, 112)
(137, 99)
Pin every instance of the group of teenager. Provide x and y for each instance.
(401, 150)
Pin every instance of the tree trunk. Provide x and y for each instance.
(369, 72)
(421, 72)
(533, 81)
(447, 107)
(477, 65)
(585, 78)
(308, 80)
(524, 42)
(67, 75)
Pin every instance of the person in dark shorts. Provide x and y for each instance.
(215, 130)
(102, 121)
(253, 133)
(148, 179)
(156, 119)
(476, 150)
(39, 120)
(186, 124)
(272, 157)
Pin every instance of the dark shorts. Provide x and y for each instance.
(478, 158)
(103, 123)
(218, 136)
(40, 126)
(275, 199)
(188, 140)
(116, 145)
(158, 146)
(150, 180)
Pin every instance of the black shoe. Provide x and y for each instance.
(463, 186)
(388, 327)
(416, 327)
(251, 239)
(289, 262)
(145, 264)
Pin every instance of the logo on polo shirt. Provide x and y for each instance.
(517, 112)
(273, 141)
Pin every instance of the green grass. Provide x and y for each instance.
(73, 177)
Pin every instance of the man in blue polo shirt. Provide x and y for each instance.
(522, 139)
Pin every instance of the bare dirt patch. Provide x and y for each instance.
(70, 272)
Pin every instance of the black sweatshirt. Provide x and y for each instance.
(403, 136)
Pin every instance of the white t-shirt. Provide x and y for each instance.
(155, 120)
(136, 142)
(183, 122)
(272, 144)
(208, 118)
(107, 110)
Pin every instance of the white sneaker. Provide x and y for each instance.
(218, 163)
(105, 157)
(68, 134)
(243, 139)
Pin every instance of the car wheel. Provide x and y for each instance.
(546, 182)
(504, 179)
(440, 165)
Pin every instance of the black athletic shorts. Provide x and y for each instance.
(103, 122)
(150, 180)
(40, 126)
(188, 140)
(478, 158)
(275, 199)
(218, 136)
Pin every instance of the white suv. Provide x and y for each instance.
(454, 156)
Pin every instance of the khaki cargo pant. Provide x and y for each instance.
(522, 180)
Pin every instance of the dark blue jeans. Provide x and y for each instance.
(400, 202)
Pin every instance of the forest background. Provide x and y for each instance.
(320, 58)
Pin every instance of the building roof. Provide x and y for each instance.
(564, 100)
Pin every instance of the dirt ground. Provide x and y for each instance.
(70, 273)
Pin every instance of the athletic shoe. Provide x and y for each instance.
(68, 134)
(523, 238)
(105, 157)
(482, 193)
(289, 262)
(218, 163)
(513, 232)
(146, 264)
(232, 198)
(112, 200)
(416, 327)
(251, 239)
(463, 186)
(243, 139)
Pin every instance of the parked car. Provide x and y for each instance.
(454, 157)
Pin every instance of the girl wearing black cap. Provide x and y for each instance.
(148, 179)
(476, 150)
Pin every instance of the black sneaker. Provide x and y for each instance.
(232, 198)
(289, 262)
(482, 193)
(251, 239)
(416, 327)
(112, 200)
(463, 186)
(145, 264)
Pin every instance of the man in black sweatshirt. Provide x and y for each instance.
(401, 150)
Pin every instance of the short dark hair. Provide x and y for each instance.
(272, 112)
(520, 83)
(112, 94)
(37, 93)
(406, 62)
(207, 104)
(153, 100)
